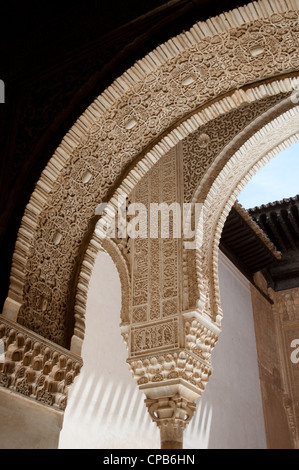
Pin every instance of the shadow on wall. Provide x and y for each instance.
(105, 409)
(197, 434)
(229, 414)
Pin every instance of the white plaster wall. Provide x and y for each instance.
(105, 408)
(230, 413)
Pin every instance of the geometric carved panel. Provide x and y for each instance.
(154, 337)
(155, 261)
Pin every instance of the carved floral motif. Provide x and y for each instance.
(171, 414)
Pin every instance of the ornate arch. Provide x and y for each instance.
(254, 153)
(223, 64)
(221, 108)
(152, 106)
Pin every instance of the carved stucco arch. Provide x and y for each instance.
(260, 142)
(222, 107)
(151, 107)
(252, 155)
(236, 58)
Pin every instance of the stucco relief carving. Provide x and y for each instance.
(161, 100)
(287, 305)
(115, 129)
(189, 360)
(154, 261)
(35, 368)
(171, 414)
(200, 340)
(154, 336)
(254, 153)
(198, 160)
(174, 365)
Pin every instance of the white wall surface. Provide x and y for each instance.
(229, 413)
(105, 408)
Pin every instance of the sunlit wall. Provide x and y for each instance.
(229, 414)
(105, 408)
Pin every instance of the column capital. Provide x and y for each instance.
(171, 414)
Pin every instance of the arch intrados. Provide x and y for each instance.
(257, 151)
(94, 247)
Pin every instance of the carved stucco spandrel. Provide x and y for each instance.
(200, 266)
